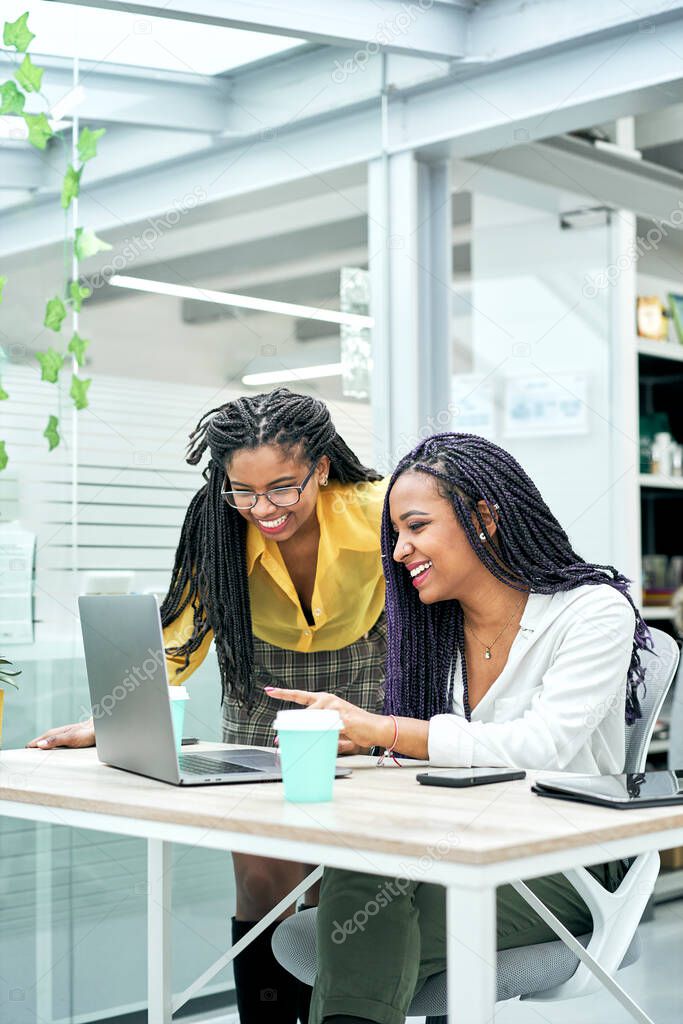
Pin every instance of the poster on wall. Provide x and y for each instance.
(545, 406)
(17, 549)
(473, 404)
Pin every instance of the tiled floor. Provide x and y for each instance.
(656, 982)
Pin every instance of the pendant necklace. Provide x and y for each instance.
(488, 647)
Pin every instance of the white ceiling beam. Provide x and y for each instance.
(660, 127)
(437, 28)
(605, 178)
(211, 175)
(490, 109)
(546, 94)
(21, 168)
(238, 227)
(115, 94)
(500, 29)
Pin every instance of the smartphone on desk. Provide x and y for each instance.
(461, 778)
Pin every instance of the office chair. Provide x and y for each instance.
(675, 758)
(546, 970)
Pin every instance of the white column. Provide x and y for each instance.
(410, 257)
(625, 453)
(158, 932)
(471, 955)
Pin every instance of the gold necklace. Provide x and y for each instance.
(487, 647)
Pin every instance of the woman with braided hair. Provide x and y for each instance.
(279, 564)
(505, 648)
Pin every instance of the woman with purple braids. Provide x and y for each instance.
(505, 648)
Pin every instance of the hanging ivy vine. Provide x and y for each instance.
(79, 242)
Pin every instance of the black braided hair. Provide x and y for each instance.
(531, 553)
(210, 570)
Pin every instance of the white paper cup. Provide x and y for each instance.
(179, 697)
(308, 742)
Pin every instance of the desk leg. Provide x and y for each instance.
(158, 932)
(471, 952)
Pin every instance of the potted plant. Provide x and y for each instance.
(5, 680)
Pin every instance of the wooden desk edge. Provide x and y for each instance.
(623, 829)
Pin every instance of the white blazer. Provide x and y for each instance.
(559, 701)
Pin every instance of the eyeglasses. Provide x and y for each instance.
(280, 496)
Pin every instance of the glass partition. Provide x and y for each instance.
(110, 499)
(532, 343)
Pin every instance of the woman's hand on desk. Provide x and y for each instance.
(79, 734)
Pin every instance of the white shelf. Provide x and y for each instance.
(660, 349)
(658, 747)
(669, 483)
(657, 614)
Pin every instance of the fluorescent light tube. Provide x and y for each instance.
(287, 376)
(181, 291)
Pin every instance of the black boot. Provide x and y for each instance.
(266, 992)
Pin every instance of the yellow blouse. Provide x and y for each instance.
(348, 595)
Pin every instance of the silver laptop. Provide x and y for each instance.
(124, 657)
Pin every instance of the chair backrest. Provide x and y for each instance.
(676, 733)
(660, 667)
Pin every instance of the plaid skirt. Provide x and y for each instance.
(355, 673)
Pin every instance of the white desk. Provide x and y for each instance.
(380, 822)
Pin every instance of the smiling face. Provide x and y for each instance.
(268, 467)
(430, 542)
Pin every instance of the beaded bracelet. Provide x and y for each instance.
(392, 748)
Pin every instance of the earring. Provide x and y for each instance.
(323, 482)
(482, 536)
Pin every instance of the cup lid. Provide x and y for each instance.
(308, 719)
(178, 693)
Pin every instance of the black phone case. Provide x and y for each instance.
(425, 779)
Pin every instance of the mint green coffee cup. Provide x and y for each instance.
(308, 742)
(179, 697)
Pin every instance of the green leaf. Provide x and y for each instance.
(87, 143)
(77, 347)
(4, 458)
(79, 391)
(52, 433)
(71, 185)
(55, 312)
(29, 77)
(12, 98)
(77, 294)
(50, 365)
(3, 282)
(88, 244)
(17, 34)
(39, 130)
(3, 394)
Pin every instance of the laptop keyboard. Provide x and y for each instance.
(200, 764)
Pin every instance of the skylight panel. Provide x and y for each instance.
(164, 44)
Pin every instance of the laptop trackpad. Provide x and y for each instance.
(264, 760)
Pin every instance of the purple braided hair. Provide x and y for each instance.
(533, 554)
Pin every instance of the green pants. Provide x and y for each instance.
(379, 939)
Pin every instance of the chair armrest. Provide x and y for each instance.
(616, 915)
